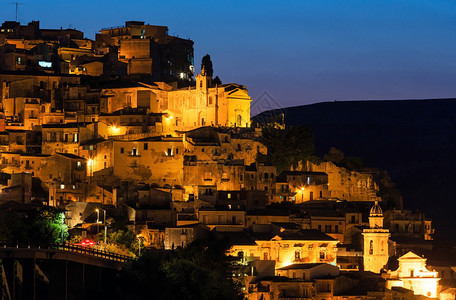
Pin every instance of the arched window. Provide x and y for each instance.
(239, 120)
(371, 247)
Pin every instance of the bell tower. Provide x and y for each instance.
(203, 81)
(375, 252)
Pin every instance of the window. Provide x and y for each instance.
(371, 247)
(228, 196)
(169, 152)
(297, 255)
(322, 255)
(146, 146)
(327, 228)
(177, 151)
(319, 227)
(75, 137)
(336, 228)
(122, 150)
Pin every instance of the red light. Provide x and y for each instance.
(87, 242)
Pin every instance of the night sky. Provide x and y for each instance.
(299, 52)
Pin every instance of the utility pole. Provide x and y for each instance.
(17, 5)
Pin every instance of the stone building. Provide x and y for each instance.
(412, 274)
(285, 247)
(296, 281)
(148, 49)
(345, 184)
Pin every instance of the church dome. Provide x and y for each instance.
(376, 210)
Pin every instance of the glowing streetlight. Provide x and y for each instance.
(98, 217)
(139, 244)
(104, 223)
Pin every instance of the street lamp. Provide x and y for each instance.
(104, 224)
(302, 194)
(98, 217)
(139, 244)
(105, 228)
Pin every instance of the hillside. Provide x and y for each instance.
(415, 140)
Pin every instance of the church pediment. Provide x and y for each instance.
(410, 255)
(239, 94)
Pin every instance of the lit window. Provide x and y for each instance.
(62, 186)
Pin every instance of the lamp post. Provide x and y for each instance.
(98, 217)
(105, 228)
(139, 244)
(302, 194)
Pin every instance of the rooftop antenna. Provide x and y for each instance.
(17, 5)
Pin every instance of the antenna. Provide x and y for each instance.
(17, 4)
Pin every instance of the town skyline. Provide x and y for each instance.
(125, 168)
(363, 51)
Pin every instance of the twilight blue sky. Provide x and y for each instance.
(300, 52)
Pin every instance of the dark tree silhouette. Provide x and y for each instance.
(206, 63)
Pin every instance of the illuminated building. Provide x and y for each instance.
(346, 184)
(148, 49)
(297, 281)
(412, 274)
(285, 247)
(304, 186)
(375, 250)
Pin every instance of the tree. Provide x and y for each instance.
(335, 156)
(287, 147)
(45, 226)
(338, 158)
(199, 271)
(206, 64)
(217, 81)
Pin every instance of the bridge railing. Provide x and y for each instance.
(75, 249)
(91, 251)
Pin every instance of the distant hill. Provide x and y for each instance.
(414, 140)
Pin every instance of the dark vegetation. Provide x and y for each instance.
(287, 147)
(199, 271)
(43, 226)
